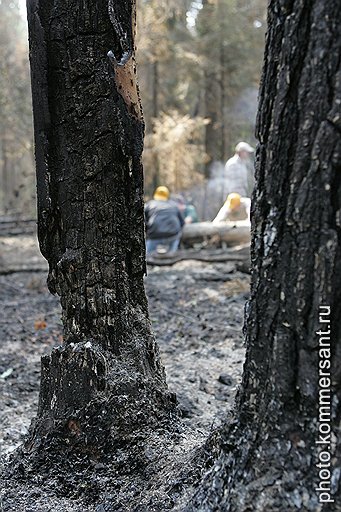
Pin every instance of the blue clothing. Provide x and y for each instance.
(163, 219)
(152, 244)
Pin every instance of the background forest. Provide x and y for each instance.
(199, 65)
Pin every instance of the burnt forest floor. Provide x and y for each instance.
(196, 310)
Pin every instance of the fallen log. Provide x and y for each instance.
(226, 233)
(14, 226)
(5, 271)
(239, 255)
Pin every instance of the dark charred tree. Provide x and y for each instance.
(106, 380)
(270, 449)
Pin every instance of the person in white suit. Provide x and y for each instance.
(238, 178)
(235, 208)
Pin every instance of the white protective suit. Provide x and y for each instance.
(237, 177)
(242, 212)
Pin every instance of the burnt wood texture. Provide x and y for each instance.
(106, 380)
(269, 453)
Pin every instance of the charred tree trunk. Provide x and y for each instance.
(272, 450)
(107, 379)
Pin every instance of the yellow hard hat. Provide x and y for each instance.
(161, 193)
(233, 201)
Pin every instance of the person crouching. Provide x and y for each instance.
(235, 208)
(164, 222)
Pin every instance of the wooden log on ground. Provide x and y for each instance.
(13, 226)
(239, 255)
(231, 233)
(22, 269)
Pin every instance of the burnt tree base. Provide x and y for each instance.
(260, 468)
(91, 404)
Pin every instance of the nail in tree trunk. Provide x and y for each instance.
(106, 380)
(288, 407)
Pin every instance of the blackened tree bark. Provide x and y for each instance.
(269, 450)
(107, 378)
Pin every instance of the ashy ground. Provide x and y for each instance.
(197, 313)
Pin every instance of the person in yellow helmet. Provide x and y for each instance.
(161, 194)
(234, 208)
(164, 222)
